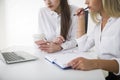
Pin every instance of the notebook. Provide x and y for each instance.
(16, 57)
(62, 59)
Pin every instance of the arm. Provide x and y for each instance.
(109, 65)
(79, 28)
(81, 23)
(90, 64)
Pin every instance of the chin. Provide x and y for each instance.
(52, 9)
(92, 11)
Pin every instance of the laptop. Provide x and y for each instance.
(16, 57)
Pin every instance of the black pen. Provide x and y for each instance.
(80, 11)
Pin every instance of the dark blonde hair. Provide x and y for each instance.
(65, 18)
(111, 7)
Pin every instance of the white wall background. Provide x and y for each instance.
(19, 20)
(2, 24)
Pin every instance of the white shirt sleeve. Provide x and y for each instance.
(40, 21)
(69, 44)
(85, 43)
(118, 61)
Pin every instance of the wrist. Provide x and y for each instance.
(96, 64)
(61, 48)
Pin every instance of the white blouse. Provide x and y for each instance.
(106, 42)
(49, 25)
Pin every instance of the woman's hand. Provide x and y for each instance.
(82, 64)
(59, 40)
(41, 42)
(80, 12)
(50, 47)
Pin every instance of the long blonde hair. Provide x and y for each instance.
(111, 7)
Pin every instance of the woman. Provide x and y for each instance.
(58, 25)
(105, 37)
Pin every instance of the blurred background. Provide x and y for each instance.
(19, 20)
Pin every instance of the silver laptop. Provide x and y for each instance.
(15, 57)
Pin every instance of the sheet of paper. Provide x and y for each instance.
(62, 59)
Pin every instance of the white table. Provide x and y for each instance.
(41, 69)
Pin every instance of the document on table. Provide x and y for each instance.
(61, 59)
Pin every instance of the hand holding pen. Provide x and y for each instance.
(40, 39)
(80, 11)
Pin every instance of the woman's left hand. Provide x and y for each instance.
(59, 40)
(51, 47)
(82, 64)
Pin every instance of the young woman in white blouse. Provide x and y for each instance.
(57, 23)
(105, 37)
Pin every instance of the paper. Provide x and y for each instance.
(62, 59)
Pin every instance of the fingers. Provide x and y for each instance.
(50, 48)
(46, 47)
(76, 63)
(59, 40)
(62, 38)
(40, 42)
(80, 12)
(73, 62)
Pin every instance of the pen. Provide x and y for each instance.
(80, 11)
(43, 37)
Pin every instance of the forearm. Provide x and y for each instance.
(108, 65)
(81, 28)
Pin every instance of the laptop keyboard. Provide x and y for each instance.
(11, 56)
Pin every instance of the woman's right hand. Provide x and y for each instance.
(80, 12)
(59, 40)
(49, 47)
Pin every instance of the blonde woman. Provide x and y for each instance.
(105, 38)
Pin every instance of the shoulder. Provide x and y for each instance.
(115, 20)
(43, 10)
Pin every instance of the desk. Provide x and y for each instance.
(41, 69)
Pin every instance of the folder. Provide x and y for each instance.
(62, 59)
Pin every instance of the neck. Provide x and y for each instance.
(104, 16)
(58, 10)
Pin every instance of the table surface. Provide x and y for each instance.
(41, 69)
